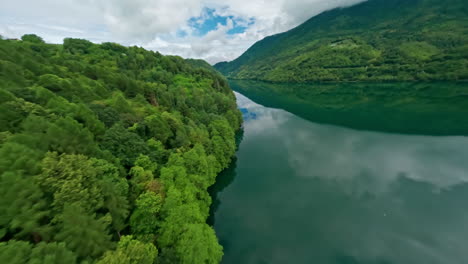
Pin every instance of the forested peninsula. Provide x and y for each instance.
(107, 153)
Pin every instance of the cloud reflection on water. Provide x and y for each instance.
(315, 148)
(334, 195)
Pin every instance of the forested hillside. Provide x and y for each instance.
(377, 40)
(106, 154)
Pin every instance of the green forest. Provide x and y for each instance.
(377, 40)
(107, 153)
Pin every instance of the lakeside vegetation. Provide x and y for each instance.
(378, 40)
(107, 153)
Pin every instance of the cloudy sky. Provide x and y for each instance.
(209, 29)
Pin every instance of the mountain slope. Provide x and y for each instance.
(378, 40)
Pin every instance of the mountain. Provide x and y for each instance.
(377, 40)
(107, 153)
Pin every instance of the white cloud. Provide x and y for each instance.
(155, 24)
(144, 19)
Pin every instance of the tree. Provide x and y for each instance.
(200, 172)
(178, 216)
(11, 114)
(32, 38)
(68, 136)
(108, 115)
(19, 158)
(115, 190)
(53, 82)
(157, 128)
(174, 173)
(22, 207)
(186, 238)
(121, 104)
(83, 233)
(131, 251)
(21, 252)
(101, 187)
(62, 174)
(42, 94)
(179, 138)
(144, 221)
(198, 244)
(52, 253)
(123, 144)
(157, 152)
(15, 252)
(77, 46)
(113, 47)
(222, 141)
(142, 174)
(87, 117)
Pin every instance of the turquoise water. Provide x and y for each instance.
(305, 192)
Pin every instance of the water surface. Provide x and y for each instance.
(304, 192)
(412, 108)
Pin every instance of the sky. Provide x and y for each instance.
(212, 30)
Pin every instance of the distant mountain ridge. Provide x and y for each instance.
(377, 40)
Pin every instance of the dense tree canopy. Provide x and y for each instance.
(107, 153)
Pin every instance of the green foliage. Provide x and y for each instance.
(198, 244)
(53, 82)
(108, 115)
(32, 38)
(19, 158)
(123, 144)
(76, 45)
(178, 216)
(223, 144)
(157, 126)
(105, 145)
(61, 175)
(66, 135)
(83, 233)
(421, 51)
(115, 190)
(15, 252)
(145, 218)
(22, 207)
(377, 40)
(131, 251)
(21, 252)
(52, 253)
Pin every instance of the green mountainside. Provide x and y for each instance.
(107, 153)
(377, 40)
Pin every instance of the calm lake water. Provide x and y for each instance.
(305, 192)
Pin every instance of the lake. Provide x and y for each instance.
(337, 191)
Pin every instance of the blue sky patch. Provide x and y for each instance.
(209, 20)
